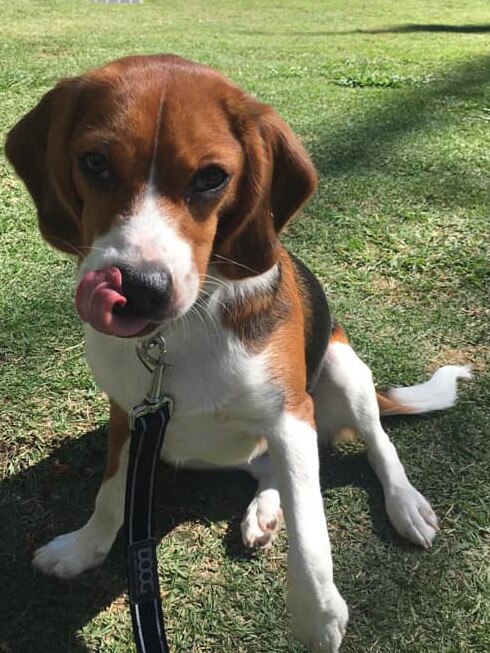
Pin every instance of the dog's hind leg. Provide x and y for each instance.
(345, 398)
(263, 518)
(72, 553)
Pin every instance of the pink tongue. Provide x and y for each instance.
(98, 293)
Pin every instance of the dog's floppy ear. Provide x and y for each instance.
(294, 177)
(38, 148)
(277, 180)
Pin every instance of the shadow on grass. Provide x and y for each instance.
(43, 615)
(359, 143)
(410, 28)
(430, 27)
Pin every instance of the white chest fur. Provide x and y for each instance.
(222, 393)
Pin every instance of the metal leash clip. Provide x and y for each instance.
(151, 353)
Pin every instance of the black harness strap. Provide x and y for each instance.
(148, 423)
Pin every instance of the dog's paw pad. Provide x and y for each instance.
(262, 520)
(412, 516)
(67, 556)
(322, 625)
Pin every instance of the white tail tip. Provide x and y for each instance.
(439, 392)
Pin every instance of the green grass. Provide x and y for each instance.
(397, 122)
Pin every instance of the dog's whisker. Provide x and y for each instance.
(230, 261)
(212, 317)
(195, 311)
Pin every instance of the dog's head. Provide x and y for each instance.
(149, 168)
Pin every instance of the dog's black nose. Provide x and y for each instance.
(148, 292)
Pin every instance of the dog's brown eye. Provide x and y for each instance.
(95, 165)
(209, 180)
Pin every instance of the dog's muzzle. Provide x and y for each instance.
(121, 301)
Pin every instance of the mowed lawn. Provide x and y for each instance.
(392, 100)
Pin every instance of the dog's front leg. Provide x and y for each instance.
(70, 554)
(318, 611)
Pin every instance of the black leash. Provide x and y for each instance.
(147, 423)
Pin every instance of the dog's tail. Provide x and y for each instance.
(439, 392)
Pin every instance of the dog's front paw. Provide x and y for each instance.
(262, 520)
(68, 555)
(321, 627)
(412, 515)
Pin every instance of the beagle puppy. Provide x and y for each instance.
(171, 186)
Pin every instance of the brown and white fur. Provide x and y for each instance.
(116, 161)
